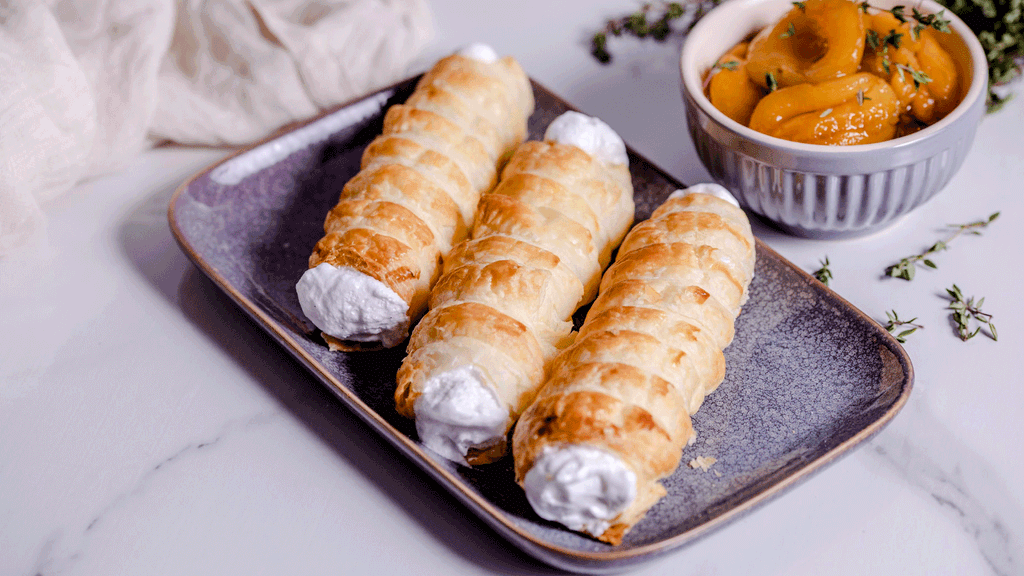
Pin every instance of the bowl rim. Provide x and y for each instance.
(725, 15)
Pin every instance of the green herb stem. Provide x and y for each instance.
(823, 274)
(1000, 29)
(652, 20)
(906, 267)
(965, 309)
(898, 328)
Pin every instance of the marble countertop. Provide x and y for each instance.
(148, 426)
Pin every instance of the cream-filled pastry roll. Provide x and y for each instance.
(614, 415)
(414, 198)
(503, 306)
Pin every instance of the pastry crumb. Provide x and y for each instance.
(703, 462)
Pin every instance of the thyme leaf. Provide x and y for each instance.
(823, 274)
(730, 65)
(966, 309)
(895, 326)
(873, 40)
(921, 19)
(652, 20)
(893, 39)
(906, 267)
(918, 76)
(1000, 29)
(599, 48)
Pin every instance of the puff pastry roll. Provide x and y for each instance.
(414, 198)
(503, 306)
(614, 415)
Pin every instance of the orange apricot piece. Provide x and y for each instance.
(820, 41)
(730, 89)
(857, 109)
(931, 96)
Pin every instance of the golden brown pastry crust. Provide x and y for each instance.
(650, 349)
(421, 179)
(597, 183)
(537, 248)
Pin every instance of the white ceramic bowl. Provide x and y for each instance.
(826, 191)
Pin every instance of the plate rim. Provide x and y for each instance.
(495, 517)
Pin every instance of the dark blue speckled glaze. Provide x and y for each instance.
(808, 375)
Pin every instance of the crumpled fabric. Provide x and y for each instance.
(85, 85)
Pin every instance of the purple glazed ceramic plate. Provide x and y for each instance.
(809, 377)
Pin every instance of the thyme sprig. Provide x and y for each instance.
(918, 76)
(997, 23)
(823, 274)
(872, 39)
(730, 65)
(964, 309)
(895, 323)
(652, 20)
(934, 21)
(906, 267)
(922, 21)
(894, 39)
(1000, 29)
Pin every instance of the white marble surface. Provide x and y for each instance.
(148, 427)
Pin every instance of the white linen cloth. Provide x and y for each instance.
(87, 84)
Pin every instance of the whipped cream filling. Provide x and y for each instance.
(589, 134)
(707, 188)
(580, 486)
(479, 51)
(350, 305)
(456, 411)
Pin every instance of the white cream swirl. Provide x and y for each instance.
(580, 486)
(590, 135)
(707, 188)
(456, 411)
(350, 305)
(480, 52)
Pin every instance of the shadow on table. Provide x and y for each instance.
(147, 242)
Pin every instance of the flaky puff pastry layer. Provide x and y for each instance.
(421, 179)
(650, 349)
(539, 244)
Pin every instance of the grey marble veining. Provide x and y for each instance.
(961, 484)
(63, 549)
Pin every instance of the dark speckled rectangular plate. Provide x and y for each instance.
(809, 377)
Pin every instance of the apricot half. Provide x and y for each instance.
(857, 109)
(820, 40)
(730, 89)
